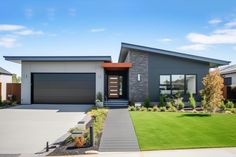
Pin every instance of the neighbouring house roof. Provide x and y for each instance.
(125, 47)
(4, 72)
(228, 69)
(19, 59)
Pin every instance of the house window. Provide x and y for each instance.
(191, 84)
(172, 84)
(165, 86)
(177, 84)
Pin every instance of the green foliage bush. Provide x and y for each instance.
(233, 110)
(229, 104)
(99, 96)
(137, 108)
(149, 109)
(147, 102)
(143, 108)
(132, 108)
(169, 105)
(162, 101)
(172, 109)
(155, 109)
(192, 101)
(162, 109)
(222, 106)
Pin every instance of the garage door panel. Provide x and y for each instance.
(63, 88)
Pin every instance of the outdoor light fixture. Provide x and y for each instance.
(139, 77)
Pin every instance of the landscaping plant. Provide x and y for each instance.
(131, 108)
(147, 102)
(192, 101)
(212, 90)
(162, 101)
(229, 104)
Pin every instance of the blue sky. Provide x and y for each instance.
(97, 27)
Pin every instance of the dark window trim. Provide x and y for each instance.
(185, 83)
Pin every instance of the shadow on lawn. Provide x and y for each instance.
(195, 115)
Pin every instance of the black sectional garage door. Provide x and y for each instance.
(52, 88)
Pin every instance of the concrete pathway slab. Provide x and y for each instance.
(25, 129)
(118, 133)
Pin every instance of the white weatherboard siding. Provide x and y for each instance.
(58, 67)
(4, 79)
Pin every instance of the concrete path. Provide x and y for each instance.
(25, 129)
(209, 152)
(118, 134)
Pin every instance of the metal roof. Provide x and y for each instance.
(228, 69)
(3, 71)
(18, 59)
(125, 47)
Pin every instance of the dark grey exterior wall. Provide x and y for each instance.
(162, 64)
(152, 65)
(138, 90)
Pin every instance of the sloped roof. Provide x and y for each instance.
(18, 59)
(3, 71)
(125, 47)
(228, 69)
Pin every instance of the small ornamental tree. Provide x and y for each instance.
(212, 91)
(192, 101)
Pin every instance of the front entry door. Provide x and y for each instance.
(113, 86)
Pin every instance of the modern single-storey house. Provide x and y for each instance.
(140, 72)
(5, 77)
(229, 75)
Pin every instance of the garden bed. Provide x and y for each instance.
(67, 147)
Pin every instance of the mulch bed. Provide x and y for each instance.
(70, 149)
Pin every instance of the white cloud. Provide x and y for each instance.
(29, 32)
(214, 21)
(220, 36)
(165, 40)
(94, 30)
(193, 47)
(230, 24)
(6, 27)
(8, 42)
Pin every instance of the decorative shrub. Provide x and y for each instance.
(229, 104)
(180, 105)
(99, 96)
(147, 102)
(222, 106)
(192, 101)
(6, 102)
(169, 105)
(143, 109)
(137, 108)
(155, 109)
(233, 110)
(132, 102)
(162, 101)
(131, 108)
(172, 109)
(149, 109)
(163, 109)
(212, 91)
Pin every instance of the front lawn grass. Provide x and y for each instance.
(172, 130)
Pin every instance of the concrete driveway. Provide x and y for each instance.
(25, 129)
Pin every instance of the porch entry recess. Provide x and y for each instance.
(113, 86)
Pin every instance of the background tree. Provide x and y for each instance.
(16, 79)
(212, 91)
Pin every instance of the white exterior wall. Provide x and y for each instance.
(58, 67)
(233, 76)
(4, 79)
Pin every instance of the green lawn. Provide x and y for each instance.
(172, 130)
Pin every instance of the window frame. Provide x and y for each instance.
(185, 83)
